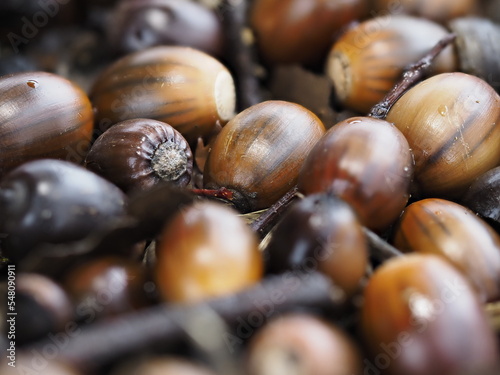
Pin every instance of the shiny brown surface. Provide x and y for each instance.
(421, 317)
(302, 344)
(320, 232)
(452, 123)
(366, 162)
(206, 251)
(296, 31)
(125, 155)
(181, 86)
(259, 152)
(138, 24)
(444, 228)
(436, 10)
(368, 60)
(106, 287)
(42, 115)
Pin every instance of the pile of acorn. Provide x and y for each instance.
(250, 187)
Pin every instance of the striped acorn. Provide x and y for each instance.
(42, 115)
(452, 123)
(181, 86)
(368, 60)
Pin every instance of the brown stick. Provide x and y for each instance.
(411, 76)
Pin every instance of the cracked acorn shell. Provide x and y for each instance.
(184, 87)
(368, 60)
(452, 123)
(259, 153)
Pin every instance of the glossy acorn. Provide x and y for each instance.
(302, 344)
(184, 87)
(295, 31)
(365, 161)
(483, 196)
(320, 232)
(452, 123)
(369, 58)
(258, 154)
(205, 251)
(139, 24)
(42, 115)
(106, 287)
(140, 153)
(421, 317)
(444, 228)
(50, 201)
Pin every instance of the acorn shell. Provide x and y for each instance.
(42, 115)
(421, 304)
(181, 86)
(140, 153)
(365, 161)
(452, 123)
(369, 59)
(447, 229)
(258, 154)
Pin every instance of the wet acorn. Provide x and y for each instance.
(295, 31)
(42, 115)
(369, 58)
(435, 10)
(42, 308)
(50, 201)
(106, 287)
(320, 232)
(421, 317)
(139, 24)
(140, 153)
(206, 251)
(483, 196)
(447, 229)
(452, 123)
(258, 154)
(365, 161)
(184, 87)
(302, 344)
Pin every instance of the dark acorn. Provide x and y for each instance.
(320, 232)
(259, 153)
(138, 24)
(140, 153)
(365, 161)
(42, 115)
(483, 196)
(51, 202)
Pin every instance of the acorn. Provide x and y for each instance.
(258, 154)
(421, 317)
(320, 232)
(300, 343)
(452, 123)
(184, 87)
(447, 229)
(369, 58)
(139, 24)
(365, 161)
(295, 31)
(205, 251)
(47, 201)
(42, 115)
(483, 196)
(140, 153)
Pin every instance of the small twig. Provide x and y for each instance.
(103, 342)
(263, 223)
(380, 249)
(411, 76)
(241, 53)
